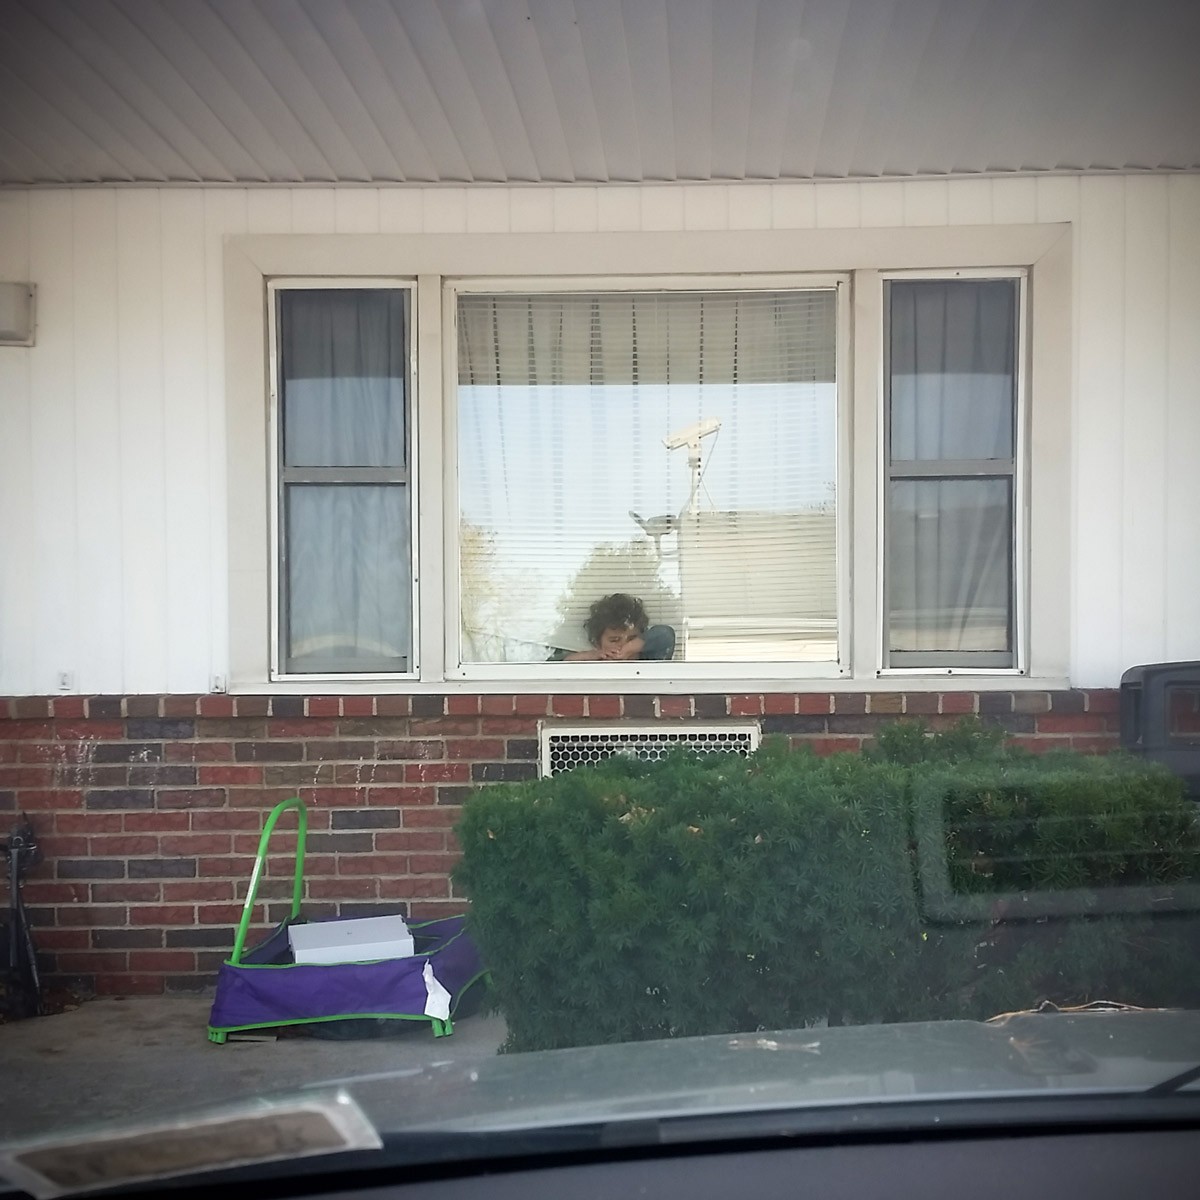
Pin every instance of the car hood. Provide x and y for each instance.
(823, 1079)
(1020, 1054)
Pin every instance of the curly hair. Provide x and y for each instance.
(618, 611)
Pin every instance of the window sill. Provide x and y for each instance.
(580, 683)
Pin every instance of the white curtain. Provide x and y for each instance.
(952, 391)
(348, 539)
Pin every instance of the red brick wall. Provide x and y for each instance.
(149, 807)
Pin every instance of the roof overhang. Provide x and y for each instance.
(575, 91)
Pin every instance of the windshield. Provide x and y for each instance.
(621, 573)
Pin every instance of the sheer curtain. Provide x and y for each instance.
(344, 480)
(952, 420)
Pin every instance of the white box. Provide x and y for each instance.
(363, 939)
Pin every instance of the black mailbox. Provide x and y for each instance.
(1160, 717)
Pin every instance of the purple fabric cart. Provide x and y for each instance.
(264, 987)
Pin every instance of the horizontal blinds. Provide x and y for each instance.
(621, 338)
(577, 479)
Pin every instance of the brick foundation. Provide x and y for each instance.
(149, 808)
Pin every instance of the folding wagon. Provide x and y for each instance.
(265, 987)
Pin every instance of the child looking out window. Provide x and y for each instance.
(620, 631)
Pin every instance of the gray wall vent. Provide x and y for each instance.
(567, 746)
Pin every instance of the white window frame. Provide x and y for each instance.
(251, 261)
(1020, 509)
(692, 673)
(275, 574)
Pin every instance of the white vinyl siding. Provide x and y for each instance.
(115, 548)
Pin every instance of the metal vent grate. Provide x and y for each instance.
(567, 746)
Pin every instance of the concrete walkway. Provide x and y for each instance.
(117, 1058)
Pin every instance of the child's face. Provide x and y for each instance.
(613, 641)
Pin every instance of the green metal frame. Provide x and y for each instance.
(260, 862)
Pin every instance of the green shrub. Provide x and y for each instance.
(707, 895)
(907, 743)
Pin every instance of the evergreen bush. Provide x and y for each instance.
(710, 894)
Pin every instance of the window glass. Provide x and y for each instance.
(951, 376)
(345, 501)
(950, 565)
(343, 368)
(952, 361)
(349, 578)
(679, 449)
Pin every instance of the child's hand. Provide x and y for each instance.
(629, 650)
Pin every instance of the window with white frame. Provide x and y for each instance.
(681, 443)
(952, 383)
(343, 500)
(676, 447)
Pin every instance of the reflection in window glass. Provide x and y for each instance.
(1183, 713)
(677, 448)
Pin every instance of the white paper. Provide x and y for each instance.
(437, 999)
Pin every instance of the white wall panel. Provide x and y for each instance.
(970, 202)
(268, 210)
(313, 210)
(1144, 424)
(531, 210)
(926, 202)
(112, 454)
(1182, 434)
(706, 207)
(225, 215)
(749, 206)
(1057, 197)
(400, 210)
(883, 203)
(575, 210)
(839, 207)
(445, 211)
(186, 512)
(1014, 201)
(619, 209)
(662, 208)
(356, 210)
(52, 443)
(100, 658)
(16, 469)
(143, 466)
(488, 211)
(1096, 446)
(795, 207)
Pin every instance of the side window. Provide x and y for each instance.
(951, 371)
(676, 447)
(344, 498)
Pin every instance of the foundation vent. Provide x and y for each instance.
(567, 746)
